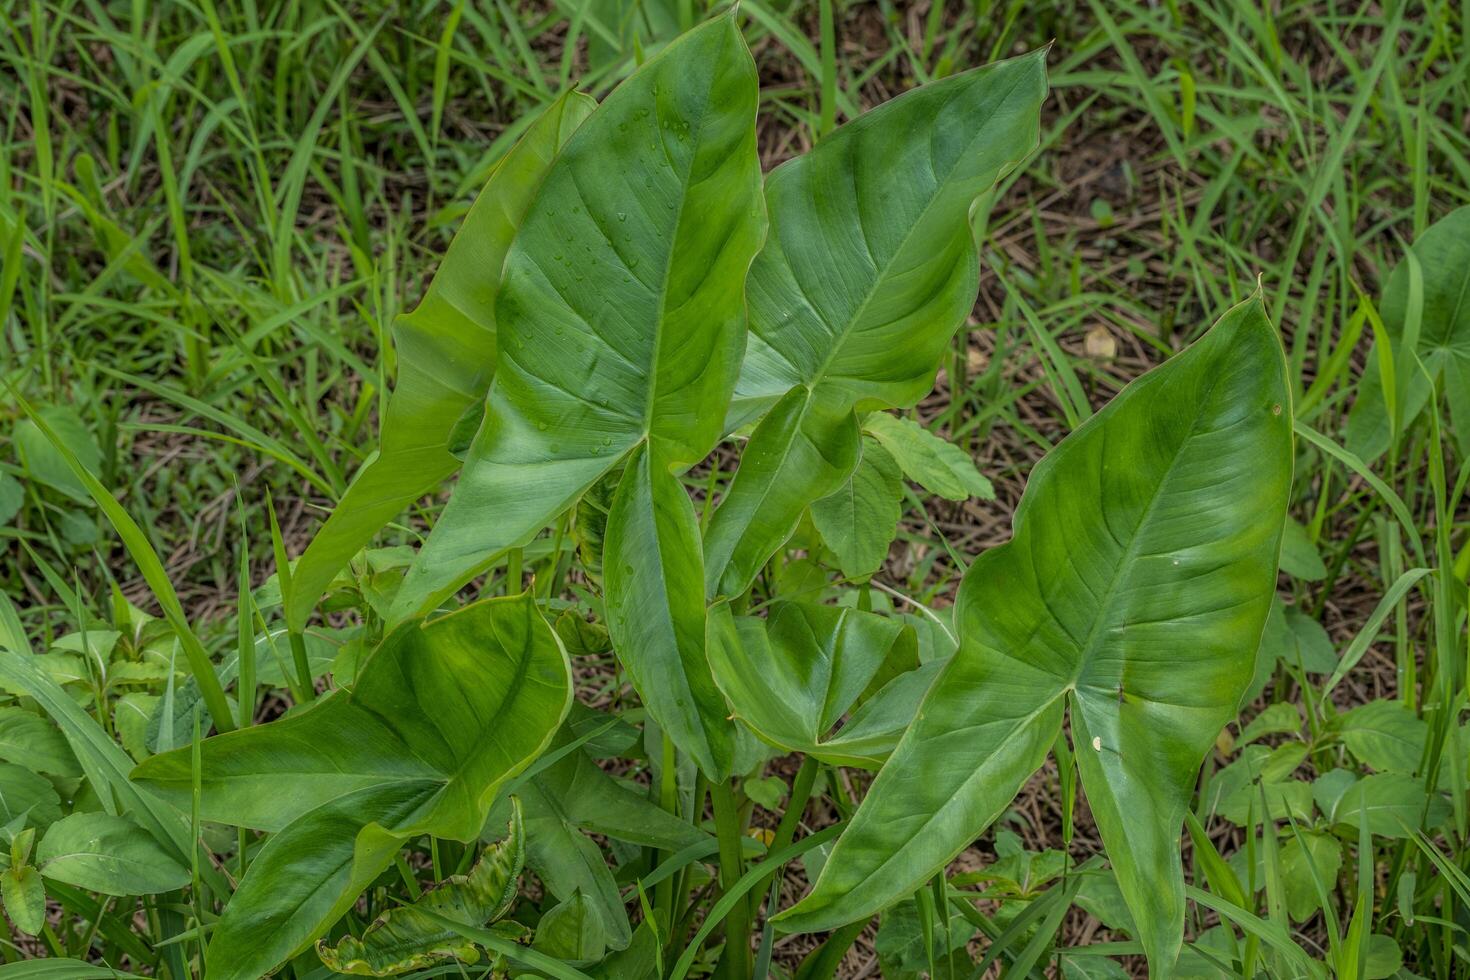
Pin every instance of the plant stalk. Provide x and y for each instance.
(303, 666)
(668, 798)
(737, 959)
(513, 575)
(801, 792)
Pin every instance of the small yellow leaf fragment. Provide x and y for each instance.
(1099, 344)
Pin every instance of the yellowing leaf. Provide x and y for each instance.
(405, 938)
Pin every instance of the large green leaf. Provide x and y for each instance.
(653, 570)
(446, 354)
(1134, 591)
(108, 854)
(308, 875)
(869, 269)
(793, 676)
(1441, 315)
(405, 938)
(567, 862)
(621, 314)
(639, 961)
(802, 451)
(443, 713)
(572, 930)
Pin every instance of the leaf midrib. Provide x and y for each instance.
(436, 776)
(1087, 649)
(663, 289)
(958, 798)
(845, 332)
(1084, 651)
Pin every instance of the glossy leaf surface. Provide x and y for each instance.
(446, 355)
(442, 715)
(653, 570)
(639, 961)
(803, 450)
(869, 269)
(572, 930)
(1134, 592)
(621, 314)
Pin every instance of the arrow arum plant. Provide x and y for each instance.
(675, 397)
(1131, 599)
(624, 295)
(440, 717)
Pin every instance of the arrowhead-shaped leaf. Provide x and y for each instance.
(446, 355)
(621, 314)
(443, 713)
(869, 269)
(653, 573)
(622, 321)
(1134, 591)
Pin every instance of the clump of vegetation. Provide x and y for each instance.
(691, 674)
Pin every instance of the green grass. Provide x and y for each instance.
(210, 214)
